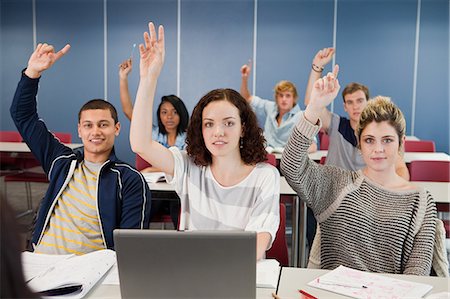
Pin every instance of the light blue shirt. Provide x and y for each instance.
(180, 141)
(276, 136)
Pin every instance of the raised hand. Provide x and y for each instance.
(325, 89)
(125, 68)
(152, 52)
(246, 69)
(323, 57)
(43, 58)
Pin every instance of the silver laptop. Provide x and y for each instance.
(194, 264)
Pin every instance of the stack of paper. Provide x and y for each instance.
(69, 276)
(267, 272)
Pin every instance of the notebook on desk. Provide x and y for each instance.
(194, 264)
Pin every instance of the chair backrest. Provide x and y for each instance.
(419, 146)
(432, 171)
(141, 164)
(324, 140)
(271, 159)
(279, 249)
(323, 160)
(10, 136)
(63, 137)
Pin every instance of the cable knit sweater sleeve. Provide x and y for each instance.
(420, 259)
(317, 184)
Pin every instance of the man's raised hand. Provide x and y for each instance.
(43, 58)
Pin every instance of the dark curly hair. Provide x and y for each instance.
(252, 151)
(179, 106)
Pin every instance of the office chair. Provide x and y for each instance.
(429, 171)
(161, 216)
(279, 249)
(324, 140)
(323, 160)
(433, 171)
(420, 146)
(33, 173)
(271, 159)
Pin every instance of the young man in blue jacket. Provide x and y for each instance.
(91, 192)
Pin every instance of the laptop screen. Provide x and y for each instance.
(189, 264)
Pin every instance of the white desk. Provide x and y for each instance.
(408, 156)
(285, 189)
(411, 137)
(439, 190)
(113, 292)
(293, 279)
(436, 156)
(22, 147)
(314, 156)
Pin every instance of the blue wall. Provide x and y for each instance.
(375, 45)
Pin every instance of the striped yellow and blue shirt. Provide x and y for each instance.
(74, 225)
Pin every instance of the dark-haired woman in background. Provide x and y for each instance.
(173, 119)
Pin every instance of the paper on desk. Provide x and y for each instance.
(267, 272)
(34, 264)
(376, 286)
(112, 277)
(80, 272)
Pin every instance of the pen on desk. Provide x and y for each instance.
(341, 283)
(279, 278)
(307, 295)
(132, 51)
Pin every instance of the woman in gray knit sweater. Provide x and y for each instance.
(371, 219)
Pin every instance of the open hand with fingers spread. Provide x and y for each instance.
(152, 52)
(43, 58)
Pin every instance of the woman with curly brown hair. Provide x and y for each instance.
(222, 181)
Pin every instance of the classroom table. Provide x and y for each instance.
(22, 147)
(439, 190)
(407, 156)
(314, 156)
(291, 280)
(425, 156)
(411, 137)
(20, 150)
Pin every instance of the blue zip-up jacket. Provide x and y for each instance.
(123, 196)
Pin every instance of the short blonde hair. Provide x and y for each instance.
(284, 86)
(381, 109)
